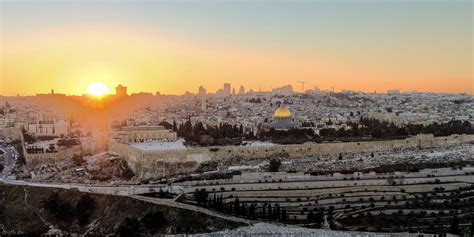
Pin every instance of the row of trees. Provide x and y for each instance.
(366, 128)
(382, 129)
(262, 211)
(221, 134)
(316, 218)
(251, 211)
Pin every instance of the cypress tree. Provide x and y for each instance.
(276, 215)
(214, 202)
(454, 228)
(284, 215)
(310, 217)
(269, 214)
(236, 207)
(472, 228)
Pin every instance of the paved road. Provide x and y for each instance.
(171, 203)
(10, 157)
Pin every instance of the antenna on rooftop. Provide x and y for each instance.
(302, 85)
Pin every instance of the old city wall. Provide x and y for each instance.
(94, 145)
(50, 158)
(89, 145)
(160, 163)
(11, 133)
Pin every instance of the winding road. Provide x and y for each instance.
(10, 156)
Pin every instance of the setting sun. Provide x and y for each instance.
(98, 89)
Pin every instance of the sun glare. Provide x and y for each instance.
(98, 89)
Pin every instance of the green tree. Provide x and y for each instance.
(200, 195)
(154, 220)
(284, 215)
(310, 217)
(84, 208)
(237, 207)
(472, 228)
(129, 227)
(454, 227)
(274, 165)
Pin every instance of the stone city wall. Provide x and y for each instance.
(50, 158)
(161, 163)
(94, 145)
(89, 145)
(11, 133)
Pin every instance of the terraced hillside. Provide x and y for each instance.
(429, 203)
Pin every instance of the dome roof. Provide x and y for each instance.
(282, 112)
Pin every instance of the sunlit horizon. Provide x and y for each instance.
(174, 47)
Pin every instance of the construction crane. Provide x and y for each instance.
(302, 85)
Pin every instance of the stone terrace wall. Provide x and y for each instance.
(160, 163)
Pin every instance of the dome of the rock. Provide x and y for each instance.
(282, 112)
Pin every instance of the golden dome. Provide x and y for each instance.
(282, 112)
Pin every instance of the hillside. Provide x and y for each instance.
(35, 211)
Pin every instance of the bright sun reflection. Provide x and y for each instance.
(98, 89)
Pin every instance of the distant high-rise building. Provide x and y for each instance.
(227, 88)
(121, 90)
(284, 90)
(241, 90)
(202, 91)
(393, 92)
(226, 91)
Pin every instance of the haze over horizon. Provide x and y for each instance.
(176, 46)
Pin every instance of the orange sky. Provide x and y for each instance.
(68, 57)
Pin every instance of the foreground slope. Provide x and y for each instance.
(35, 211)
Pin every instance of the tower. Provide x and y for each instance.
(227, 89)
(202, 91)
(241, 90)
(121, 90)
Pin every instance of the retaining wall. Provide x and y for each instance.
(161, 163)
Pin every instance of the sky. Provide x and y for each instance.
(176, 46)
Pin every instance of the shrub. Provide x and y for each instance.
(129, 227)
(274, 165)
(154, 220)
(84, 208)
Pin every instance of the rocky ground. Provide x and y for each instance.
(102, 167)
(357, 161)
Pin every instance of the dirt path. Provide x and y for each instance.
(172, 203)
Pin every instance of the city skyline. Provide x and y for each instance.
(232, 118)
(174, 47)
